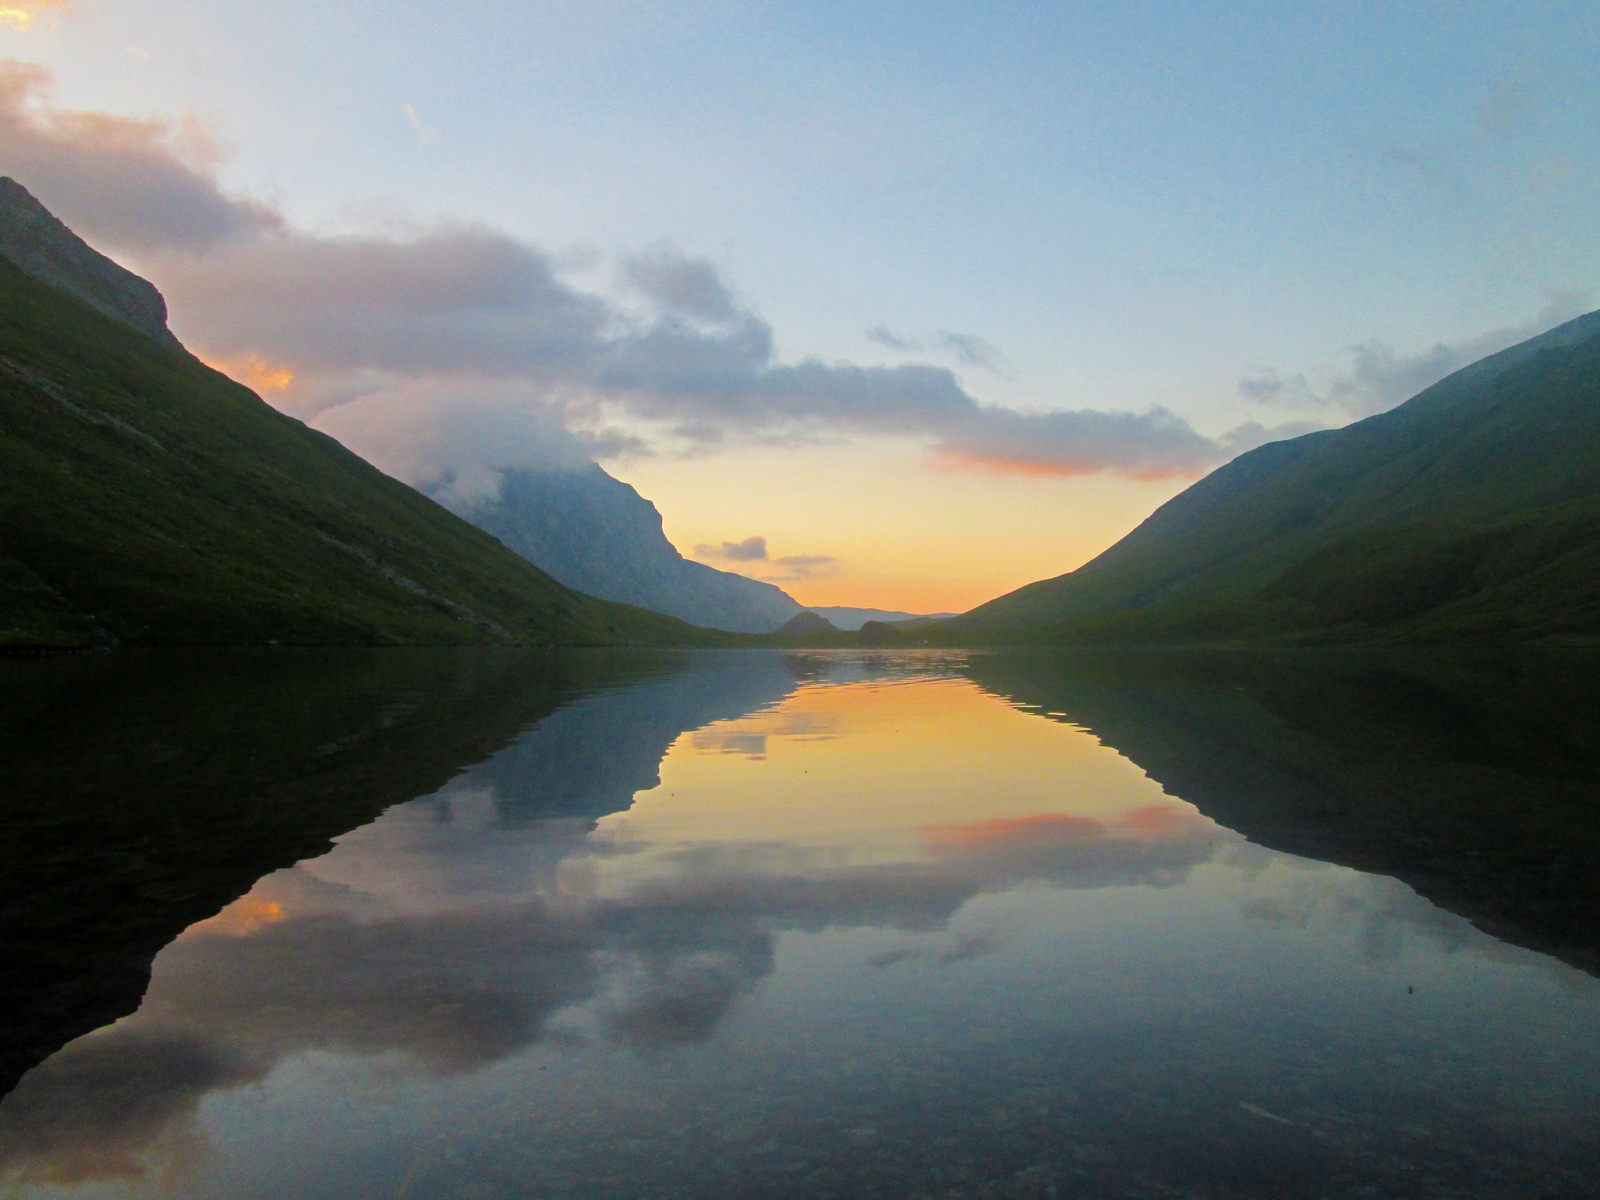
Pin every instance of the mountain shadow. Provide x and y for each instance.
(1474, 777)
(1469, 513)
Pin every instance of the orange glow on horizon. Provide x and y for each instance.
(987, 464)
(255, 372)
(1150, 822)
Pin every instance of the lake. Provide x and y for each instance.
(480, 923)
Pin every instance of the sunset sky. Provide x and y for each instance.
(937, 299)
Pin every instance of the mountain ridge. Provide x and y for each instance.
(147, 499)
(1472, 510)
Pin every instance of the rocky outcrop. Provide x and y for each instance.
(43, 247)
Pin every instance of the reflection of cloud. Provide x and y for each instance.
(1381, 914)
(729, 741)
(452, 990)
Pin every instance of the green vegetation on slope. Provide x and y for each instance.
(145, 498)
(1470, 512)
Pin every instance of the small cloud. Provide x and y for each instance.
(970, 349)
(803, 566)
(426, 133)
(885, 336)
(752, 549)
(1379, 378)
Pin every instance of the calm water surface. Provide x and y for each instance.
(855, 926)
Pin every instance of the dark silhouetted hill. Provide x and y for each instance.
(1471, 512)
(145, 498)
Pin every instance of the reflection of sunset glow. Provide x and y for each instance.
(240, 919)
(255, 372)
(1149, 823)
(894, 770)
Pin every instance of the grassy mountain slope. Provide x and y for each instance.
(146, 498)
(1471, 511)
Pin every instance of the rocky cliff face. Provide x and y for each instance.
(596, 534)
(43, 247)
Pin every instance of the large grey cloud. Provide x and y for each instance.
(129, 185)
(473, 311)
(1378, 378)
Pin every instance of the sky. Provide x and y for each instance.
(935, 299)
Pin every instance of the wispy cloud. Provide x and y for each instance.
(885, 336)
(803, 566)
(1378, 377)
(425, 133)
(968, 348)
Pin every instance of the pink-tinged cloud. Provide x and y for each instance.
(477, 320)
(127, 185)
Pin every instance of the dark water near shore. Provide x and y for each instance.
(502, 924)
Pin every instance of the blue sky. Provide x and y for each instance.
(1134, 205)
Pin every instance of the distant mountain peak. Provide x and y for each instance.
(40, 245)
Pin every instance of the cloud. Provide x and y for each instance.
(971, 349)
(680, 284)
(455, 443)
(803, 566)
(123, 183)
(1378, 378)
(752, 549)
(425, 133)
(415, 329)
(1156, 444)
(885, 336)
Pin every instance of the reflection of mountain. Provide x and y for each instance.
(589, 758)
(144, 793)
(1475, 779)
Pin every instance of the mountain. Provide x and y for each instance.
(145, 498)
(1471, 512)
(33, 239)
(596, 534)
(855, 618)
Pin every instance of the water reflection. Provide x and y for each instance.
(832, 924)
